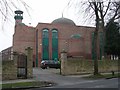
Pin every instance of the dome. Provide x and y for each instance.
(64, 21)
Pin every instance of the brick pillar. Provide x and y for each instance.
(63, 62)
(15, 58)
(29, 53)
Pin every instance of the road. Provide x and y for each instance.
(72, 81)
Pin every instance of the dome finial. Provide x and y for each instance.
(62, 15)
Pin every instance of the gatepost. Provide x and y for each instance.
(29, 53)
(63, 62)
(15, 58)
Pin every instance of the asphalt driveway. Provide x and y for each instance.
(54, 76)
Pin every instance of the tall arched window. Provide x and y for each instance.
(45, 44)
(54, 44)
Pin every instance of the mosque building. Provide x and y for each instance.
(48, 40)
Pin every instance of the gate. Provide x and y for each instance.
(22, 66)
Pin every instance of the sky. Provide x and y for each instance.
(43, 11)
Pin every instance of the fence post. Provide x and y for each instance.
(29, 53)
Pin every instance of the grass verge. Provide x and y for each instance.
(33, 84)
(99, 76)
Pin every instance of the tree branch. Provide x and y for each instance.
(107, 8)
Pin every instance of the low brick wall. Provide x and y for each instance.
(10, 67)
(80, 66)
(9, 70)
(108, 65)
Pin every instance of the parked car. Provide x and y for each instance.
(50, 64)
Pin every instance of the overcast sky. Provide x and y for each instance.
(44, 11)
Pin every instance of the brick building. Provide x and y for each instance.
(6, 54)
(49, 39)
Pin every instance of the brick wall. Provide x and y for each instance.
(23, 38)
(10, 67)
(81, 66)
(9, 70)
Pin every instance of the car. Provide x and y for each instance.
(50, 64)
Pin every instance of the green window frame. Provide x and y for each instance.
(54, 44)
(45, 44)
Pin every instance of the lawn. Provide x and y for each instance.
(34, 84)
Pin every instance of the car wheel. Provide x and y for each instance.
(43, 68)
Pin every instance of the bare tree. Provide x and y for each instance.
(100, 14)
(102, 11)
(95, 7)
(7, 8)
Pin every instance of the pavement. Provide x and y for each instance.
(34, 79)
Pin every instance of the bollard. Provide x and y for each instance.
(60, 67)
(113, 73)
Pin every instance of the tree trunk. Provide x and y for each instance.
(96, 51)
(96, 39)
(104, 38)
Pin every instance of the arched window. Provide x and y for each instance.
(55, 44)
(76, 36)
(45, 44)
